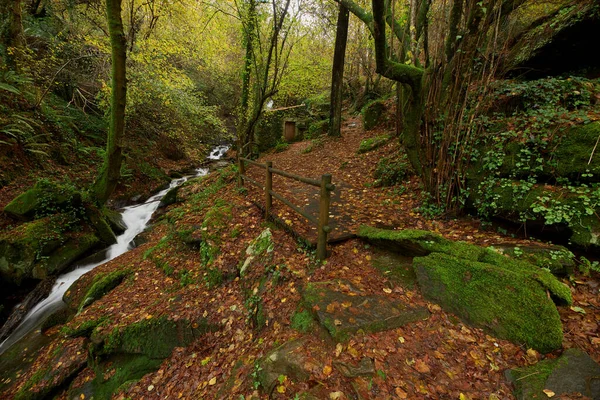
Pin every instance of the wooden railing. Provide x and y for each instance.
(322, 222)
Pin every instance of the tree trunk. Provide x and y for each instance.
(11, 28)
(337, 74)
(111, 169)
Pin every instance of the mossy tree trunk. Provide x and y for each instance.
(12, 36)
(110, 171)
(437, 126)
(337, 74)
(262, 72)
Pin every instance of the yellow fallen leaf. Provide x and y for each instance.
(368, 258)
(401, 339)
(548, 392)
(338, 349)
(280, 389)
(401, 393)
(212, 381)
(387, 290)
(327, 370)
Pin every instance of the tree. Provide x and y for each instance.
(110, 171)
(265, 61)
(11, 27)
(337, 71)
(437, 129)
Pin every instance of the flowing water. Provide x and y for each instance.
(136, 219)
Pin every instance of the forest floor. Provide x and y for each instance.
(437, 358)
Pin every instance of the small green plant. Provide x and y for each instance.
(392, 171)
(185, 278)
(256, 375)
(213, 278)
(586, 266)
(281, 146)
(302, 321)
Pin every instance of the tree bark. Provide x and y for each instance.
(111, 169)
(337, 74)
(11, 28)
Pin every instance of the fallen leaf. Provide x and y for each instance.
(578, 309)
(387, 290)
(548, 392)
(212, 381)
(422, 367)
(335, 395)
(401, 393)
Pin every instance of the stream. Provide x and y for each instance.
(136, 218)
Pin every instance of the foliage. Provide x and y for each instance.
(391, 171)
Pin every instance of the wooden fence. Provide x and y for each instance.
(322, 222)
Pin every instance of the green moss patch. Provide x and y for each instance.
(508, 303)
(154, 337)
(372, 113)
(44, 198)
(102, 284)
(414, 243)
(372, 143)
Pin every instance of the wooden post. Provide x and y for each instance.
(268, 189)
(323, 228)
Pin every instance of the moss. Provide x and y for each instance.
(25, 393)
(372, 143)
(412, 243)
(102, 284)
(302, 321)
(391, 171)
(42, 199)
(506, 302)
(408, 242)
(170, 197)
(372, 113)
(154, 337)
(85, 328)
(101, 226)
(123, 368)
(68, 253)
(535, 377)
(574, 151)
(317, 128)
(56, 318)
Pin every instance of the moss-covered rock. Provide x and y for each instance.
(372, 143)
(414, 243)
(102, 284)
(37, 249)
(169, 198)
(42, 199)
(259, 251)
(558, 259)
(153, 337)
(101, 226)
(507, 303)
(372, 113)
(573, 372)
(115, 220)
(115, 374)
(346, 314)
(57, 366)
(573, 155)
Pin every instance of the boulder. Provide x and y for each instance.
(59, 364)
(169, 198)
(414, 243)
(259, 251)
(154, 337)
(558, 259)
(37, 249)
(297, 360)
(573, 372)
(42, 199)
(344, 311)
(506, 302)
(372, 113)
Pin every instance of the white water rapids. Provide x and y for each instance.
(136, 218)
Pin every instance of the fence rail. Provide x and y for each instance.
(322, 222)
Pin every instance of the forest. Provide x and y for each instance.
(299, 199)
